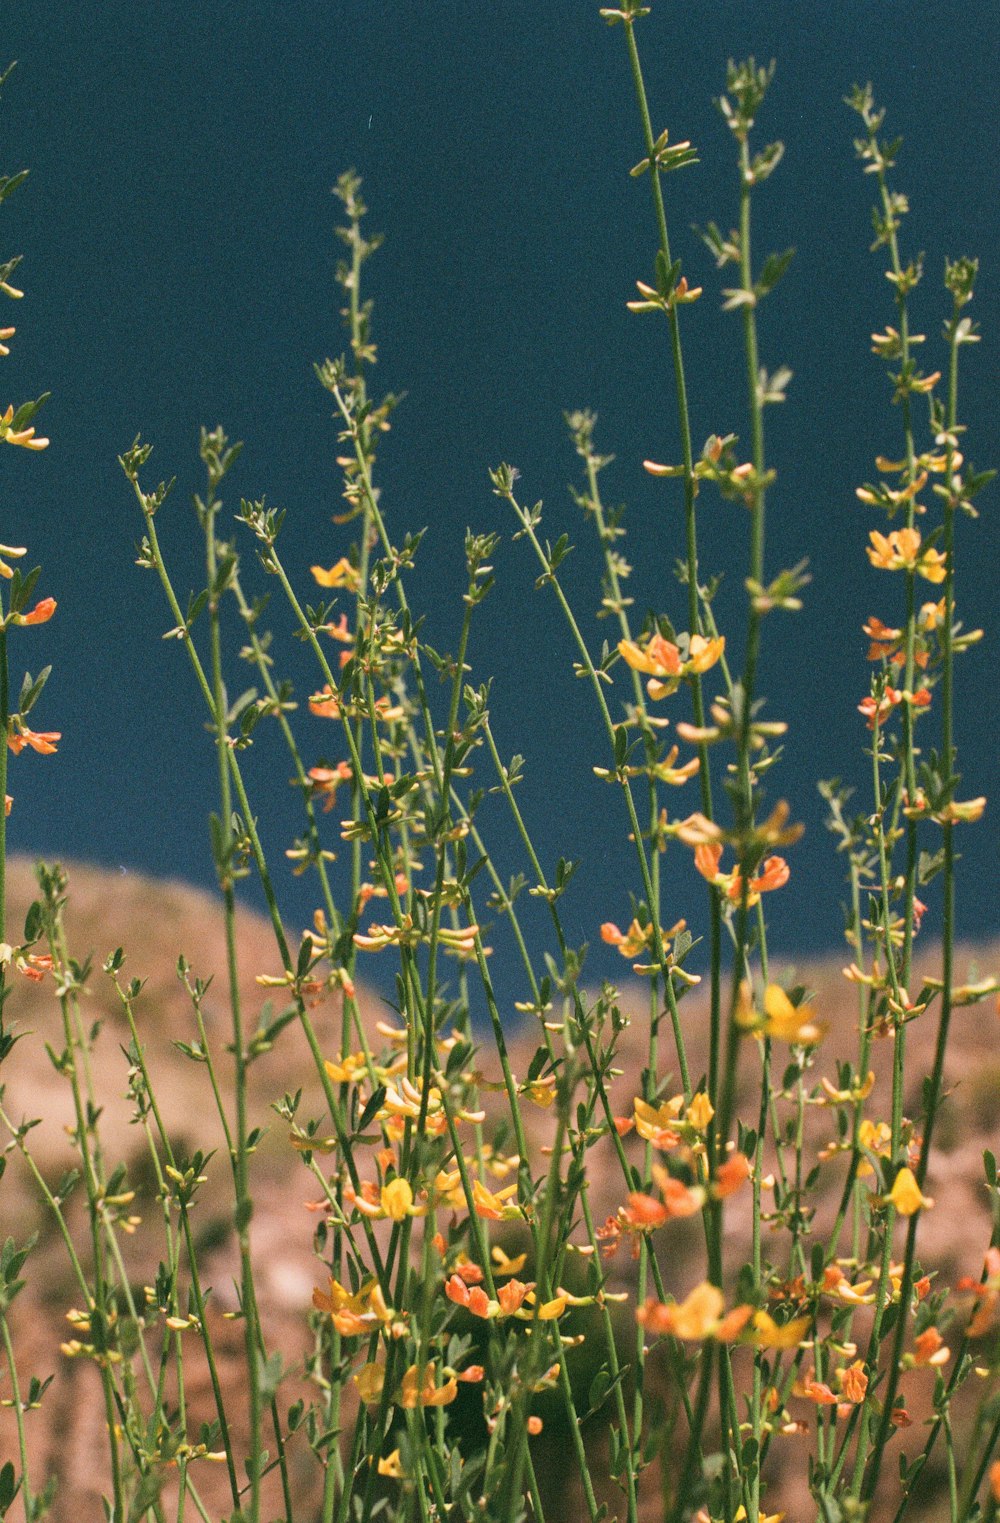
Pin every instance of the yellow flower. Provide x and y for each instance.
(704, 653)
(414, 1392)
(12, 550)
(693, 1318)
(342, 574)
(397, 1199)
(788, 1022)
(781, 1019)
(391, 1466)
(658, 1124)
(369, 1381)
(766, 1333)
(900, 551)
(698, 1316)
(502, 1265)
(23, 436)
(905, 1194)
(661, 660)
(700, 1111)
(349, 1071)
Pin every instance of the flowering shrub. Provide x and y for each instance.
(467, 1295)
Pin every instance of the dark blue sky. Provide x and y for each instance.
(177, 233)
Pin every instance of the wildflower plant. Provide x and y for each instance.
(469, 1295)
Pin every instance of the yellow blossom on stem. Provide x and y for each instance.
(495, 1207)
(658, 1125)
(956, 813)
(418, 1388)
(502, 1265)
(15, 552)
(356, 1313)
(397, 1200)
(341, 574)
(905, 1194)
(700, 1111)
(23, 436)
(781, 1019)
(391, 1466)
(764, 1332)
(349, 1070)
(369, 1380)
(900, 551)
(661, 660)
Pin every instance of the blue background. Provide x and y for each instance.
(177, 233)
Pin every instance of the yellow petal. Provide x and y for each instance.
(905, 1194)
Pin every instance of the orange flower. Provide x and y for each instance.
(326, 780)
(629, 943)
(885, 642)
(325, 703)
(814, 1390)
(853, 1382)
(645, 1211)
(475, 1300)
(40, 614)
(995, 1480)
(468, 1272)
(929, 1348)
(658, 1125)
(42, 741)
(881, 709)
(988, 1292)
(511, 1296)
(698, 1316)
(774, 874)
(900, 551)
(729, 1176)
(661, 660)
